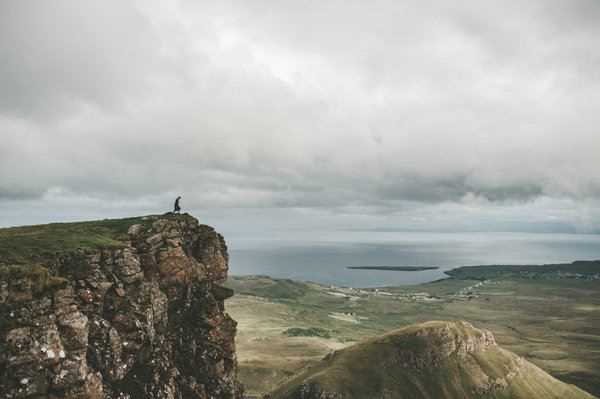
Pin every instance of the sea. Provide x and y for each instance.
(324, 257)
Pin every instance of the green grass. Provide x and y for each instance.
(266, 287)
(369, 370)
(307, 332)
(550, 271)
(41, 280)
(36, 244)
(553, 323)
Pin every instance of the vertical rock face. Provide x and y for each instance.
(145, 320)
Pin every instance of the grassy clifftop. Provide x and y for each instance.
(35, 244)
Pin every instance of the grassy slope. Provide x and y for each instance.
(266, 287)
(265, 309)
(525, 271)
(553, 323)
(366, 370)
(268, 355)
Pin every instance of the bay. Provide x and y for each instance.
(324, 257)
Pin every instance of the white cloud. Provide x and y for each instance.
(385, 107)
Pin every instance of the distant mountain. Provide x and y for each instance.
(433, 360)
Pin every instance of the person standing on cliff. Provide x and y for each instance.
(176, 207)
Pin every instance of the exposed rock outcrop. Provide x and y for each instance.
(141, 320)
(437, 342)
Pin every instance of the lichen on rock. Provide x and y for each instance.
(144, 319)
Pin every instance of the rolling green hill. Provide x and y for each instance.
(450, 360)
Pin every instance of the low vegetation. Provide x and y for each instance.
(552, 322)
(589, 270)
(266, 287)
(38, 276)
(40, 243)
(421, 361)
(36, 244)
(307, 332)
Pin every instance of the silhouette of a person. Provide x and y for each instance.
(176, 207)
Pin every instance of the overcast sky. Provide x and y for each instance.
(303, 115)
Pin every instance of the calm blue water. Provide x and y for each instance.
(324, 257)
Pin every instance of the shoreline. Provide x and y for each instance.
(579, 269)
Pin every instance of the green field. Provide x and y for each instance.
(554, 322)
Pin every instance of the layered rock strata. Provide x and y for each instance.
(143, 320)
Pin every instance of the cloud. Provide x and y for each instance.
(60, 57)
(325, 106)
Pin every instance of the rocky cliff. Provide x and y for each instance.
(450, 360)
(116, 309)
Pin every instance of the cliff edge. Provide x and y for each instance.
(128, 308)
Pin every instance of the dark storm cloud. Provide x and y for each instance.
(364, 108)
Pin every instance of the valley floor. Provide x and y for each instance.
(286, 325)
